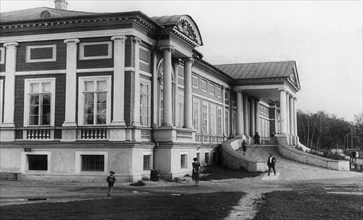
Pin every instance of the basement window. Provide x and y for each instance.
(93, 163)
(37, 162)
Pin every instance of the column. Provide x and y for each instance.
(291, 116)
(257, 112)
(9, 87)
(288, 113)
(71, 83)
(136, 115)
(295, 122)
(253, 117)
(188, 93)
(168, 120)
(224, 111)
(240, 129)
(176, 96)
(245, 111)
(118, 80)
(283, 128)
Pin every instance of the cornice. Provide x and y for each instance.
(77, 21)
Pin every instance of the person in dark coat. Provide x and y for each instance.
(256, 138)
(244, 147)
(195, 171)
(271, 161)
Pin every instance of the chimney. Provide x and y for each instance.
(61, 4)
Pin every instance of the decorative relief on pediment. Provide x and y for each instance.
(186, 28)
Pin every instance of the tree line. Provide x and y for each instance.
(322, 131)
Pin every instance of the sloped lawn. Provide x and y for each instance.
(149, 206)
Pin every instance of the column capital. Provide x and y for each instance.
(282, 90)
(11, 44)
(168, 47)
(120, 37)
(71, 41)
(137, 40)
(188, 59)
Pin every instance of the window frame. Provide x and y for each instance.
(27, 83)
(211, 89)
(150, 165)
(206, 113)
(196, 117)
(194, 77)
(28, 53)
(24, 166)
(78, 163)
(219, 121)
(81, 98)
(204, 82)
(82, 46)
(2, 55)
(185, 165)
(148, 117)
(180, 106)
(213, 119)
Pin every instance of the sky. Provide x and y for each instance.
(323, 37)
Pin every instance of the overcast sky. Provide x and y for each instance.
(323, 37)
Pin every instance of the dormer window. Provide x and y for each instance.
(41, 53)
(95, 50)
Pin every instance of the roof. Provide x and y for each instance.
(258, 70)
(35, 14)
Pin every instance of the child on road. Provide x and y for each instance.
(111, 179)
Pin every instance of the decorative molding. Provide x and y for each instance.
(11, 44)
(78, 34)
(72, 40)
(168, 47)
(40, 72)
(121, 37)
(93, 70)
(137, 40)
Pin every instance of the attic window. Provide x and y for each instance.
(45, 15)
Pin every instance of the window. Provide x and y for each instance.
(207, 158)
(180, 108)
(219, 120)
(183, 161)
(2, 55)
(1, 100)
(43, 53)
(196, 115)
(205, 118)
(219, 92)
(212, 119)
(147, 162)
(95, 99)
(37, 162)
(226, 98)
(92, 163)
(226, 122)
(195, 81)
(211, 89)
(39, 102)
(203, 85)
(145, 108)
(95, 50)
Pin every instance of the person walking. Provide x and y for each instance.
(111, 179)
(271, 161)
(256, 138)
(195, 171)
(244, 147)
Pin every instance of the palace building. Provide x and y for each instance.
(85, 93)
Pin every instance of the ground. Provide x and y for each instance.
(241, 195)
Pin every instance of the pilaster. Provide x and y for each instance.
(69, 132)
(7, 133)
(136, 110)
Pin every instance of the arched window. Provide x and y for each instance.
(161, 91)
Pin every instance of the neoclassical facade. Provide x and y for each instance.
(85, 93)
